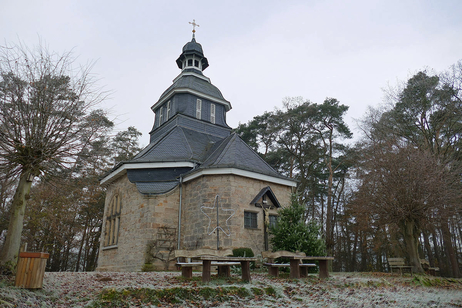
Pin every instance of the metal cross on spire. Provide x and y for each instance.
(193, 23)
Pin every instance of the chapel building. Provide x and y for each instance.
(167, 196)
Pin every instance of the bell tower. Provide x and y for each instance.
(192, 94)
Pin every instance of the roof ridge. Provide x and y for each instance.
(232, 137)
(221, 147)
(226, 146)
(256, 154)
(151, 145)
(154, 145)
(187, 142)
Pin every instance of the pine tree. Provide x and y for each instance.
(293, 233)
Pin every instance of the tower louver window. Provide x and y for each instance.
(199, 109)
(212, 113)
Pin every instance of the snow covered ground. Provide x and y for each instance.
(340, 290)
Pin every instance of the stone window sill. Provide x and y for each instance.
(110, 247)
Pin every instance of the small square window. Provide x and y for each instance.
(250, 220)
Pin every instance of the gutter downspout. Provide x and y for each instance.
(179, 211)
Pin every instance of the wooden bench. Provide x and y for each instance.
(426, 267)
(399, 264)
(224, 268)
(273, 268)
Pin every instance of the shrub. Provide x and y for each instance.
(243, 252)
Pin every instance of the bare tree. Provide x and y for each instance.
(46, 119)
(406, 188)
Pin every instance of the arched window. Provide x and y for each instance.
(113, 221)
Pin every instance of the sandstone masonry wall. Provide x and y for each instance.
(236, 193)
(140, 217)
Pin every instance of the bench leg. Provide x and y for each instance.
(245, 267)
(303, 271)
(273, 271)
(186, 272)
(323, 271)
(294, 268)
(206, 269)
(224, 270)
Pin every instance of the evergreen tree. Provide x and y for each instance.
(293, 233)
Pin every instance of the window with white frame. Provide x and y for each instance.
(250, 220)
(113, 221)
(212, 113)
(167, 116)
(198, 109)
(161, 115)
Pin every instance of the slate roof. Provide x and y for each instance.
(194, 83)
(184, 139)
(269, 192)
(180, 144)
(233, 152)
(153, 188)
(208, 151)
(191, 48)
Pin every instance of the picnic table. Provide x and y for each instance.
(295, 262)
(207, 265)
(297, 268)
(210, 257)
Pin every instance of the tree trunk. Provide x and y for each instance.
(330, 206)
(355, 249)
(363, 251)
(93, 257)
(438, 256)
(81, 245)
(411, 238)
(12, 243)
(450, 249)
(428, 248)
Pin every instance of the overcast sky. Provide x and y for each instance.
(259, 51)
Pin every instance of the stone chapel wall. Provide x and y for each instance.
(140, 217)
(236, 192)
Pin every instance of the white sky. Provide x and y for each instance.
(259, 51)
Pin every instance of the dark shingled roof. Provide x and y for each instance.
(180, 144)
(194, 83)
(208, 151)
(184, 139)
(233, 152)
(269, 192)
(193, 48)
(153, 188)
